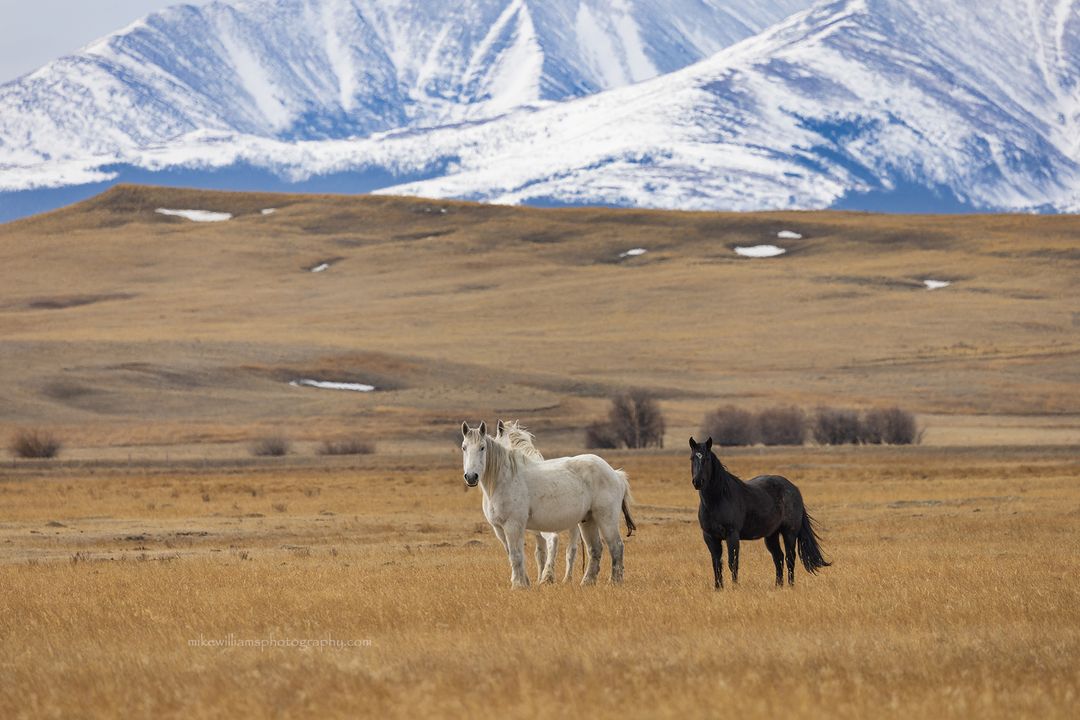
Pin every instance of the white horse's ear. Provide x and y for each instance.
(464, 429)
(500, 429)
(483, 428)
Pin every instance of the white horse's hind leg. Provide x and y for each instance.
(541, 555)
(547, 575)
(571, 553)
(610, 531)
(515, 541)
(594, 548)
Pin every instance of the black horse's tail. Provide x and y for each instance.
(808, 545)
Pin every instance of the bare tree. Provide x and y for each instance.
(636, 419)
(730, 426)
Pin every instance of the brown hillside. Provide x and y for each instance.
(121, 326)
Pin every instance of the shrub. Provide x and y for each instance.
(891, 426)
(636, 420)
(782, 426)
(347, 446)
(836, 426)
(35, 444)
(601, 436)
(275, 446)
(730, 426)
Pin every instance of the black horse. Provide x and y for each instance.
(768, 506)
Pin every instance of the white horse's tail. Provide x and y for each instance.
(627, 501)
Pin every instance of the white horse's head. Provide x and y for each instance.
(473, 449)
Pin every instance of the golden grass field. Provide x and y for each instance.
(953, 594)
(158, 349)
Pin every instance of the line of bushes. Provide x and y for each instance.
(731, 426)
(42, 444)
(279, 446)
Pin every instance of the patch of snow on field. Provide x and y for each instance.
(269, 211)
(788, 235)
(633, 252)
(324, 385)
(321, 268)
(760, 251)
(196, 215)
(936, 284)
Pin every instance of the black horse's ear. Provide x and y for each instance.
(693, 445)
(708, 443)
(464, 429)
(483, 428)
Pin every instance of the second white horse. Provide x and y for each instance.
(522, 493)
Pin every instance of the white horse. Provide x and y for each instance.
(512, 435)
(522, 493)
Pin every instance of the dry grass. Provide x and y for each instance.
(952, 595)
(157, 348)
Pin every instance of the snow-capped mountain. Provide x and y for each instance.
(318, 69)
(975, 102)
(848, 103)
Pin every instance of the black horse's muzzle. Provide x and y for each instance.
(471, 479)
(696, 479)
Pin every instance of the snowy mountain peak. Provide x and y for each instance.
(704, 104)
(317, 69)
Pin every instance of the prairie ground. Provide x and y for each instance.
(158, 570)
(133, 333)
(953, 593)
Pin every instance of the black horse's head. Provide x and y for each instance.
(701, 462)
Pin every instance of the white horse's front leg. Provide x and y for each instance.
(515, 542)
(502, 537)
(547, 574)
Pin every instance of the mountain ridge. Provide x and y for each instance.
(845, 104)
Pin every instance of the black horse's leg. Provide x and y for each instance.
(716, 549)
(773, 543)
(733, 555)
(789, 550)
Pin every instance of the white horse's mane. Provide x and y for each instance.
(521, 440)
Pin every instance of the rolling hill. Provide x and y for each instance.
(126, 327)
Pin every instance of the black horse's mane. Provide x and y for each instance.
(727, 478)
